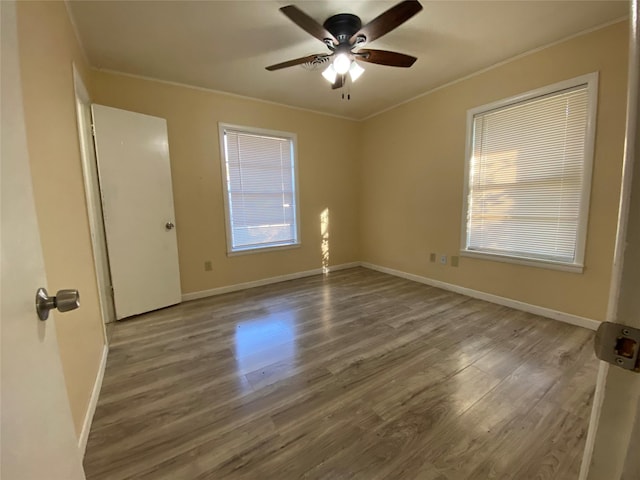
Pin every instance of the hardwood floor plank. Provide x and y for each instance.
(354, 375)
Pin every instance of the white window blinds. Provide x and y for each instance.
(260, 189)
(527, 177)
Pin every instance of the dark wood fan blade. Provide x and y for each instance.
(307, 23)
(388, 20)
(384, 57)
(296, 61)
(339, 82)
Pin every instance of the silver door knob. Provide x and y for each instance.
(64, 301)
(169, 225)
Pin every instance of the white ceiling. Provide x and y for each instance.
(225, 45)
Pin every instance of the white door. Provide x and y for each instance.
(37, 436)
(137, 202)
(613, 441)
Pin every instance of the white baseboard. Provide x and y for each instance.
(265, 281)
(577, 320)
(507, 302)
(93, 403)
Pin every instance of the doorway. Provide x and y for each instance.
(94, 203)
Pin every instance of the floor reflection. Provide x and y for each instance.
(324, 232)
(264, 341)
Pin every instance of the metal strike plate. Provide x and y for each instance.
(619, 345)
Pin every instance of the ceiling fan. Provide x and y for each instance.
(344, 35)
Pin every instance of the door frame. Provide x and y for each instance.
(614, 425)
(93, 198)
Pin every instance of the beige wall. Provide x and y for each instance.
(327, 173)
(412, 173)
(47, 47)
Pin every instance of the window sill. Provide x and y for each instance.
(262, 249)
(549, 264)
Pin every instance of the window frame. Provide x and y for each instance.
(293, 138)
(577, 266)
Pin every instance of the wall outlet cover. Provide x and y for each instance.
(455, 260)
(208, 266)
(432, 258)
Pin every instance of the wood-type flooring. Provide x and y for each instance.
(353, 375)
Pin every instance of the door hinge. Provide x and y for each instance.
(93, 130)
(619, 345)
(111, 290)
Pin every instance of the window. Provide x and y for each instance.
(528, 176)
(259, 177)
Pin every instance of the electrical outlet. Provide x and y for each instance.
(443, 259)
(208, 266)
(455, 260)
(432, 258)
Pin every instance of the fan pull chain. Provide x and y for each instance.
(348, 94)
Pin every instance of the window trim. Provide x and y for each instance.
(222, 128)
(577, 266)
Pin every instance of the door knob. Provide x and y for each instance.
(64, 301)
(169, 225)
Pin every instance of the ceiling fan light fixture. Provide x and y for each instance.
(341, 63)
(355, 71)
(342, 34)
(330, 74)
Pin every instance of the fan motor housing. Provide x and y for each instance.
(343, 26)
